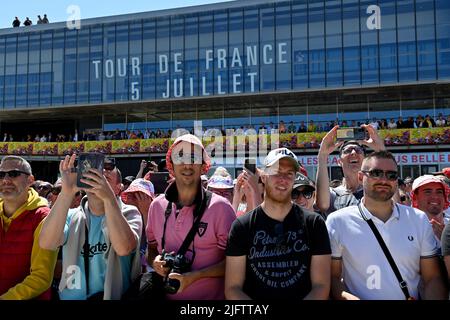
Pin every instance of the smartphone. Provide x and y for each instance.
(250, 165)
(87, 161)
(351, 134)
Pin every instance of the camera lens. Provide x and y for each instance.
(172, 286)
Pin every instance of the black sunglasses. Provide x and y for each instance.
(379, 174)
(307, 194)
(12, 173)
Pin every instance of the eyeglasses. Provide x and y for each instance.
(307, 194)
(109, 166)
(349, 150)
(12, 173)
(192, 158)
(379, 174)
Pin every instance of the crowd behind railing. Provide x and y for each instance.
(272, 233)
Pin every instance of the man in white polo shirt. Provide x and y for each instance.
(359, 268)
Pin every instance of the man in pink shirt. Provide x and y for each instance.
(186, 161)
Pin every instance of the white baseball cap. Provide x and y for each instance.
(281, 153)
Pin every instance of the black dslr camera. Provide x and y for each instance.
(176, 264)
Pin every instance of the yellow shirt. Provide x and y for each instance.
(42, 261)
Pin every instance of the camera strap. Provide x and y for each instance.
(86, 256)
(398, 275)
(198, 213)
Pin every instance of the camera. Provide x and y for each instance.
(351, 134)
(176, 264)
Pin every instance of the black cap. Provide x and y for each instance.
(302, 180)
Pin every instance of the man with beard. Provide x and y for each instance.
(359, 267)
(351, 155)
(171, 217)
(430, 194)
(278, 250)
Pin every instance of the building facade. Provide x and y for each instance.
(230, 65)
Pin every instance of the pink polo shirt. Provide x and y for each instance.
(209, 242)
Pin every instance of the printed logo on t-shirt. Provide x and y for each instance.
(202, 228)
(95, 249)
(279, 261)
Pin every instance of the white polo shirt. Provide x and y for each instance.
(366, 271)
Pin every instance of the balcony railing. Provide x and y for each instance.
(397, 137)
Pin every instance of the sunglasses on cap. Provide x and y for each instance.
(12, 173)
(307, 194)
(379, 174)
(349, 150)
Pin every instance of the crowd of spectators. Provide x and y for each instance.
(282, 127)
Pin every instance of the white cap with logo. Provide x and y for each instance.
(281, 153)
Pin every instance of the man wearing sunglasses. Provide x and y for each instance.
(26, 270)
(171, 217)
(304, 192)
(278, 250)
(351, 155)
(359, 267)
(100, 238)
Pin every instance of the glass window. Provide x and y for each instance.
(369, 47)
(300, 69)
(96, 61)
(135, 61)
(220, 54)
(163, 58)
(388, 42)
(236, 51)
(407, 67)
(176, 61)
(251, 56)
(351, 40)
(149, 70)
(191, 63)
(22, 71)
(109, 61)
(206, 48)
(70, 67)
(316, 27)
(267, 58)
(333, 27)
(283, 49)
(34, 57)
(10, 71)
(121, 71)
(2, 71)
(443, 38)
(45, 86)
(57, 67)
(83, 65)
